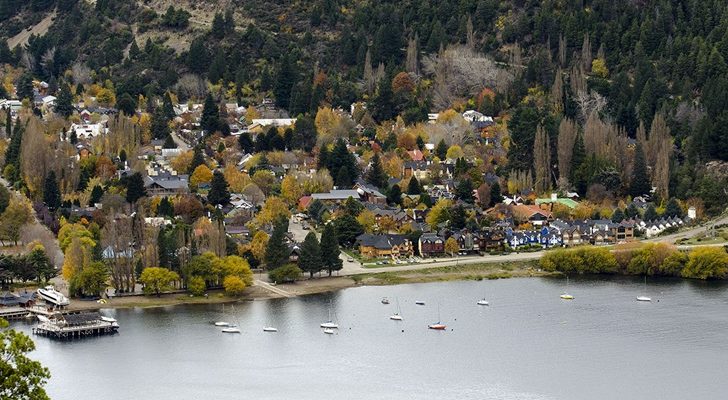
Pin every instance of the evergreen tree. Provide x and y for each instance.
(197, 57)
(421, 143)
(64, 101)
(8, 124)
(165, 208)
(198, 158)
(353, 206)
(210, 120)
(229, 21)
(631, 211)
(25, 87)
(617, 216)
(285, 79)
(457, 218)
(426, 200)
(650, 214)
(343, 178)
(96, 194)
(383, 104)
(126, 104)
(347, 229)
(169, 143)
(135, 188)
(394, 195)
(495, 194)
(640, 184)
(376, 175)
(218, 26)
(464, 190)
(51, 193)
(159, 125)
(219, 194)
(673, 209)
(577, 159)
(218, 66)
(246, 143)
(330, 249)
(310, 258)
(413, 187)
(304, 134)
(276, 253)
(441, 150)
(341, 159)
(167, 106)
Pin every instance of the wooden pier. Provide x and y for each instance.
(74, 326)
(13, 313)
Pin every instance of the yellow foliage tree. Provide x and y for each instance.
(78, 256)
(273, 209)
(455, 152)
(451, 246)
(291, 189)
(182, 162)
(599, 67)
(259, 244)
(201, 174)
(439, 213)
(367, 221)
(236, 179)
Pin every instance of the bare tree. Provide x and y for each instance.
(191, 86)
(460, 72)
(542, 160)
(658, 153)
(557, 92)
(412, 63)
(81, 73)
(470, 34)
(369, 82)
(562, 50)
(117, 241)
(586, 53)
(565, 149)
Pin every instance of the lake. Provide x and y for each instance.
(528, 344)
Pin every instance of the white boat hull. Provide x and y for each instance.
(483, 303)
(53, 296)
(270, 330)
(329, 325)
(566, 297)
(231, 330)
(222, 323)
(329, 331)
(644, 298)
(396, 317)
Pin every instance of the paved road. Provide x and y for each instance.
(181, 144)
(702, 228)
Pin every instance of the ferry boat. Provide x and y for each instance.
(51, 295)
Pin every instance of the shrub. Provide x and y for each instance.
(234, 285)
(706, 263)
(196, 286)
(286, 273)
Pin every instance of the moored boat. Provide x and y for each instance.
(51, 295)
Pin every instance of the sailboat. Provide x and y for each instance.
(230, 328)
(329, 324)
(566, 295)
(396, 316)
(644, 298)
(270, 329)
(222, 323)
(483, 302)
(437, 326)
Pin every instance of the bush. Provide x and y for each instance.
(196, 286)
(234, 285)
(286, 273)
(590, 260)
(706, 263)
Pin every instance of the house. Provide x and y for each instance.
(109, 253)
(468, 242)
(336, 196)
(491, 240)
(85, 131)
(277, 122)
(571, 236)
(625, 231)
(418, 169)
(550, 238)
(166, 184)
(369, 193)
(430, 244)
(384, 246)
(12, 105)
(530, 214)
(416, 155)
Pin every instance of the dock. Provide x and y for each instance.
(13, 313)
(74, 326)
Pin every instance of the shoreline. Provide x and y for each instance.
(483, 271)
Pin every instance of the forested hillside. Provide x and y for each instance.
(608, 90)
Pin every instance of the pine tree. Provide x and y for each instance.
(673, 209)
(197, 57)
(51, 193)
(640, 184)
(167, 106)
(218, 66)
(165, 207)
(650, 214)
(376, 175)
(310, 258)
(343, 178)
(246, 143)
(169, 143)
(413, 187)
(394, 196)
(276, 253)
(126, 104)
(25, 87)
(457, 218)
(285, 79)
(330, 249)
(441, 150)
(384, 107)
(159, 125)
(64, 101)
(218, 26)
(229, 21)
(135, 188)
(577, 159)
(210, 120)
(198, 158)
(304, 134)
(617, 216)
(219, 194)
(8, 124)
(464, 190)
(96, 194)
(495, 194)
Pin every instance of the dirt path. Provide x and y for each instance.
(38, 29)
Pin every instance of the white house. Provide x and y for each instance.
(277, 122)
(87, 131)
(13, 105)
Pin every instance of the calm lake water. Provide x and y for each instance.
(528, 344)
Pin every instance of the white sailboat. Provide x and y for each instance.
(398, 315)
(329, 324)
(566, 295)
(644, 298)
(437, 326)
(270, 329)
(229, 328)
(222, 323)
(483, 302)
(329, 331)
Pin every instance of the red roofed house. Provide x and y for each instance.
(530, 214)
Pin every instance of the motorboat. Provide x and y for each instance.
(107, 319)
(51, 295)
(270, 329)
(230, 329)
(329, 325)
(566, 296)
(385, 300)
(483, 302)
(420, 303)
(329, 331)
(396, 317)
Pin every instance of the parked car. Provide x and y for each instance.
(349, 259)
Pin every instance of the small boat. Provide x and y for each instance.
(385, 300)
(51, 295)
(222, 323)
(566, 295)
(329, 331)
(270, 329)
(108, 319)
(483, 302)
(329, 324)
(437, 326)
(420, 303)
(644, 298)
(231, 329)
(396, 316)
